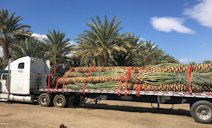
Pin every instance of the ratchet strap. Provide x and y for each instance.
(190, 78)
(85, 83)
(55, 90)
(139, 89)
(64, 80)
(127, 79)
(49, 81)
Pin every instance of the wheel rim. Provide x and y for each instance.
(203, 112)
(43, 100)
(59, 101)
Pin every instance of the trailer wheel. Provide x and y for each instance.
(45, 100)
(60, 101)
(201, 111)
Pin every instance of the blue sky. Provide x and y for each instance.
(182, 28)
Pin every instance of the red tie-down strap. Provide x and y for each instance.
(50, 76)
(139, 89)
(127, 79)
(119, 85)
(190, 78)
(55, 90)
(85, 83)
(64, 80)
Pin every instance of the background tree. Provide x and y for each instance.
(97, 45)
(207, 62)
(58, 47)
(11, 31)
(30, 47)
(120, 58)
(147, 53)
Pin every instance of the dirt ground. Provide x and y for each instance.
(106, 114)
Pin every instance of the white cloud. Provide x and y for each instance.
(168, 24)
(202, 12)
(39, 36)
(1, 52)
(185, 60)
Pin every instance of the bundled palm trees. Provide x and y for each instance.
(163, 77)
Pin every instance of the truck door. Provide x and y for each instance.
(20, 78)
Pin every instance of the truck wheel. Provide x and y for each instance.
(60, 101)
(201, 111)
(45, 100)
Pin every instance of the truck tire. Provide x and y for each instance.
(201, 111)
(60, 101)
(45, 100)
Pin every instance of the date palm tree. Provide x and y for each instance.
(126, 58)
(150, 54)
(58, 47)
(97, 44)
(30, 47)
(11, 31)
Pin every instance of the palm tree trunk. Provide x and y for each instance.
(105, 60)
(95, 62)
(5, 47)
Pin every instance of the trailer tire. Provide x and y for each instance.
(60, 101)
(45, 100)
(201, 111)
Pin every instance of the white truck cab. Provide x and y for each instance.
(26, 76)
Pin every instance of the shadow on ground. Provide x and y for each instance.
(174, 111)
(103, 106)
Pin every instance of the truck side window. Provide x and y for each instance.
(21, 66)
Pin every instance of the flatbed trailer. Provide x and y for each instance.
(200, 103)
(143, 96)
(27, 81)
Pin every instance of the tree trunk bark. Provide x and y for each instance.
(5, 47)
(96, 61)
(105, 60)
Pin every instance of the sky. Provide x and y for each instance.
(182, 28)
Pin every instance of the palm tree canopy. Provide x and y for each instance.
(58, 46)
(11, 30)
(29, 47)
(120, 58)
(150, 54)
(100, 41)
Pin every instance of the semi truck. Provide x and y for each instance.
(30, 80)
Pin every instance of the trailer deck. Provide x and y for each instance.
(150, 93)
